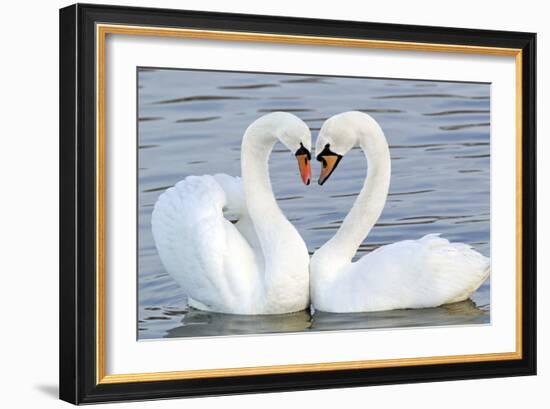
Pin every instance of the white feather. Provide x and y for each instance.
(196, 242)
(420, 273)
(232, 268)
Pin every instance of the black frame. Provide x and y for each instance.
(77, 204)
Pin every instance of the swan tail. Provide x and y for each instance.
(457, 269)
(471, 289)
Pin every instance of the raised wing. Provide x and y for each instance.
(199, 247)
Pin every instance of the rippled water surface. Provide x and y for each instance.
(191, 123)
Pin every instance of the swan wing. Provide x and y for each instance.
(420, 273)
(199, 247)
(235, 209)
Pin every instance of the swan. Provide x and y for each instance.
(260, 264)
(422, 273)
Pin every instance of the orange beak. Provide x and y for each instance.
(329, 163)
(304, 164)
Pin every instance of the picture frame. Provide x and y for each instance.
(83, 283)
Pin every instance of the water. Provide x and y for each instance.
(191, 123)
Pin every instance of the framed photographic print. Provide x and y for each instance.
(257, 203)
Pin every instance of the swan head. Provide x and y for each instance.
(337, 136)
(296, 136)
(340, 133)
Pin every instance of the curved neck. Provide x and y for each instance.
(371, 200)
(264, 212)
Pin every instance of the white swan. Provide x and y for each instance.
(420, 273)
(258, 265)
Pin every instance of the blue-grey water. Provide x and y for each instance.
(191, 123)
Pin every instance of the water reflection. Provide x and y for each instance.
(200, 323)
(251, 86)
(206, 119)
(198, 98)
(195, 323)
(465, 312)
(458, 112)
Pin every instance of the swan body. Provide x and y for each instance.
(422, 273)
(258, 265)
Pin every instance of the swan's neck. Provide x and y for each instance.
(369, 204)
(260, 201)
(264, 212)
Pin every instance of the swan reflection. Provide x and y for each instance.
(202, 323)
(196, 323)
